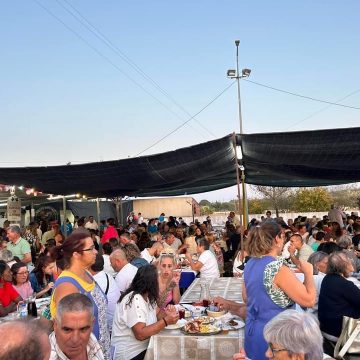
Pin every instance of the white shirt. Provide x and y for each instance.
(175, 245)
(145, 255)
(210, 268)
(92, 225)
(126, 316)
(113, 294)
(125, 277)
(107, 266)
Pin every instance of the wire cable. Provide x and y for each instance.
(302, 96)
(184, 123)
(101, 36)
(321, 110)
(105, 58)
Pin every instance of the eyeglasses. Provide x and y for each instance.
(91, 248)
(23, 273)
(275, 351)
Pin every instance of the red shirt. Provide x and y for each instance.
(7, 294)
(109, 233)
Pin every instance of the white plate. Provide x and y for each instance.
(178, 325)
(240, 325)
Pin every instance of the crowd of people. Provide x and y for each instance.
(113, 287)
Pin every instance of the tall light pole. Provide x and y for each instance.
(235, 74)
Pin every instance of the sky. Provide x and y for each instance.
(98, 80)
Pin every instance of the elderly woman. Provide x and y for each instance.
(78, 252)
(270, 287)
(338, 296)
(292, 335)
(346, 244)
(137, 317)
(21, 281)
(9, 297)
(207, 264)
(319, 261)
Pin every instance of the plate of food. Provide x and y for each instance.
(196, 327)
(205, 319)
(180, 323)
(233, 324)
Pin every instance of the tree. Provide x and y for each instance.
(206, 210)
(312, 199)
(204, 202)
(276, 195)
(257, 206)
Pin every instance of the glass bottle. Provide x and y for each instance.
(205, 297)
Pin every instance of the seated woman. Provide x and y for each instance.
(136, 316)
(338, 296)
(292, 335)
(41, 277)
(216, 250)
(21, 281)
(319, 261)
(169, 292)
(206, 264)
(9, 297)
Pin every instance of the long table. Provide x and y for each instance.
(173, 344)
(227, 287)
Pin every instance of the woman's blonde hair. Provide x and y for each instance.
(261, 238)
(167, 256)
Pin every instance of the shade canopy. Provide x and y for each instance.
(294, 159)
(303, 158)
(204, 167)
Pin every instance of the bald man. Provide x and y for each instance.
(23, 340)
(126, 271)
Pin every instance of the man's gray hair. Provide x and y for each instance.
(74, 303)
(344, 242)
(297, 332)
(15, 229)
(315, 258)
(203, 242)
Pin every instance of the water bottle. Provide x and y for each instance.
(22, 309)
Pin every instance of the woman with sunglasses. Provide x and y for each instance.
(21, 281)
(79, 253)
(270, 287)
(169, 292)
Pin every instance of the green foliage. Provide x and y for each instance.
(257, 206)
(207, 210)
(311, 199)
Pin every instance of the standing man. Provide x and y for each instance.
(91, 224)
(335, 215)
(17, 245)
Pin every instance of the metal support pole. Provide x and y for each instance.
(64, 219)
(98, 211)
(245, 205)
(239, 196)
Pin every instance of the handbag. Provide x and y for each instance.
(349, 340)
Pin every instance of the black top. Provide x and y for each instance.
(356, 240)
(338, 297)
